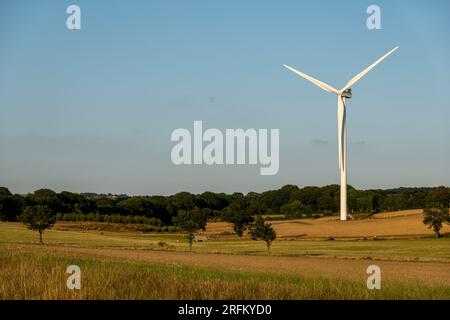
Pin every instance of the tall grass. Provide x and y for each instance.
(39, 275)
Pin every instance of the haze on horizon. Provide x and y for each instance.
(92, 110)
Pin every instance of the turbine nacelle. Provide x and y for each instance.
(347, 94)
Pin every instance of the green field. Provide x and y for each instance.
(134, 266)
(426, 249)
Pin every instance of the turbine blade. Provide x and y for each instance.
(318, 83)
(365, 71)
(341, 128)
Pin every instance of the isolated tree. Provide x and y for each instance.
(434, 218)
(240, 214)
(264, 231)
(38, 218)
(190, 221)
(239, 219)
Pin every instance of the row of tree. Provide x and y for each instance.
(194, 220)
(192, 212)
(289, 200)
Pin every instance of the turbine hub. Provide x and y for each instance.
(347, 94)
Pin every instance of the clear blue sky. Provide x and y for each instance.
(93, 109)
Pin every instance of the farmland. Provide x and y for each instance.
(304, 263)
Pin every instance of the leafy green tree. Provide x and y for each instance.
(70, 202)
(309, 196)
(10, 205)
(163, 208)
(105, 205)
(352, 196)
(190, 221)
(293, 209)
(441, 197)
(38, 218)
(417, 200)
(240, 215)
(139, 206)
(183, 201)
(214, 201)
(264, 231)
(274, 199)
(435, 218)
(45, 197)
(326, 203)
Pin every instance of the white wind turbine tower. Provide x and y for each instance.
(344, 93)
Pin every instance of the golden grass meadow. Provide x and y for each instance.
(304, 264)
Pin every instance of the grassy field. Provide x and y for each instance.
(120, 265)
(425, 249)
(40, 275)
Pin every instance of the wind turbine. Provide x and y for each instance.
(344, 93)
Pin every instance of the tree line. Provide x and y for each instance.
(190, 213)
(289, 200)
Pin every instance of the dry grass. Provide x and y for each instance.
(129, 265)
(401, 224)
(427, 273)
(41, 275)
